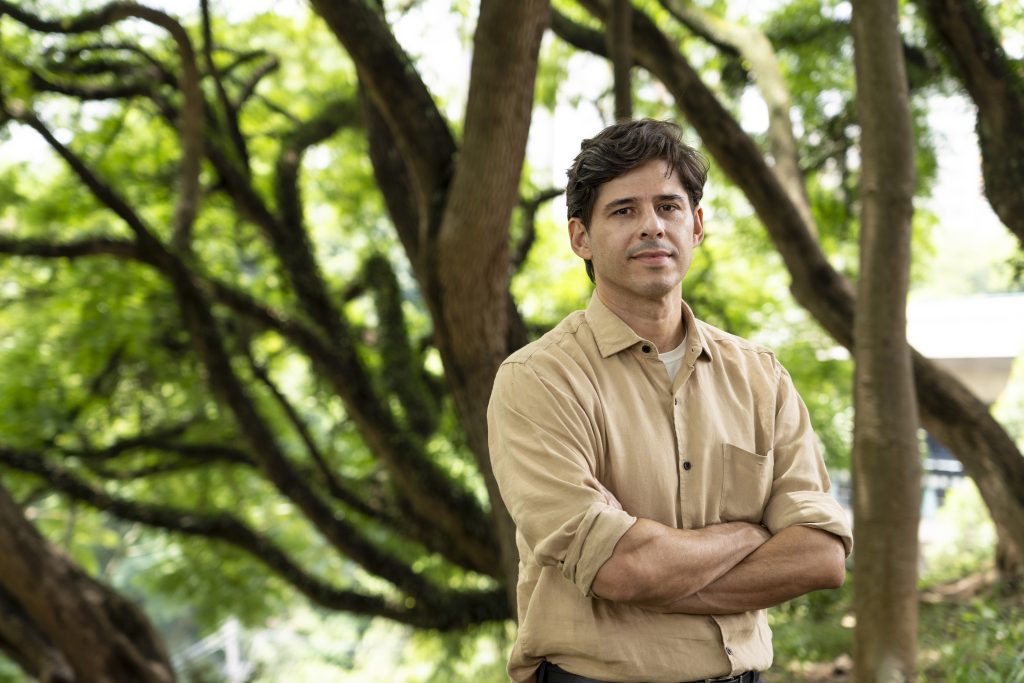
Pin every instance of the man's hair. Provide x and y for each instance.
(620, 148)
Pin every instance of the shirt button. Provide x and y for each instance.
(687, 465)
(646, 348)
(728, 651)
(675, 401)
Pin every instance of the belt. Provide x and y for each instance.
(552, 673)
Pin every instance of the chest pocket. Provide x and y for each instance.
(746, 483)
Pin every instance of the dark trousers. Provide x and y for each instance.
(551, 673)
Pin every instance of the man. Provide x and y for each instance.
(662, 474)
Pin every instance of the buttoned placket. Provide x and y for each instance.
(684, 466)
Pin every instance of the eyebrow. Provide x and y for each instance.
(623, 201)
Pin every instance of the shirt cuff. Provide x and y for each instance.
(816, 509)
(594, 543)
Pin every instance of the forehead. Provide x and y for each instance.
(651, 179)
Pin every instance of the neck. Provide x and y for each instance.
(660, 321)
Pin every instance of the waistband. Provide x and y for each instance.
(552, 673)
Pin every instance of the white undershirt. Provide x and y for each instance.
(674, 359)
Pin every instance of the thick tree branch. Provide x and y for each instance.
(102, 636)
(403, 377)
(340, 113)
(471, 325)
(396, 90)
(392, 176)
(996, 84)
(754, 46)
(30, 648)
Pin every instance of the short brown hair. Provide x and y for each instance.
(620, 148)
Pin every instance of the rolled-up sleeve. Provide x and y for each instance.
(800, 489)
(543, 448)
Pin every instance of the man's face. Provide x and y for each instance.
(642, 235)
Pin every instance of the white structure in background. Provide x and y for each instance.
(224, 648)
(977, 339)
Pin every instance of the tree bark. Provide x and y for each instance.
(886, 455)
(472, 256)
(102, 636)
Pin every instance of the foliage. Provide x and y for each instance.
(968, 537)
(981, 641)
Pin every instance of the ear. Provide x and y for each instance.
(579, 239)
(698, 226)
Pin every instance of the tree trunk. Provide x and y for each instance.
(470, 275)
(620, 50)
(886, 457)
(101, 635)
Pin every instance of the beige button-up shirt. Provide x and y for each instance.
(590, 405)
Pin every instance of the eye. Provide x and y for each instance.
(622, 211)
(669, 207)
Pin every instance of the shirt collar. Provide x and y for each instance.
(614, 335)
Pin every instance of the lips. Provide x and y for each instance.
(651, 251)
(652, 254)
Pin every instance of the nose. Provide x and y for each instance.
(651, 225)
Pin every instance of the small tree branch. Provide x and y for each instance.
(332, 483)
(187, 206)
(530, 207)
(229, 113)
(84, 246)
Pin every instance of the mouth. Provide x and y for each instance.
(652, 256)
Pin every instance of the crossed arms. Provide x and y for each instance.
(720, 569)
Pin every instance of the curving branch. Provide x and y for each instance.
(341, 113)
(530, 207)
(755, 47)
(404, 376)
(248, 86)
(192, 112)
(334, 486)
(396, 90)
(996, 85)
(101, 635)
(104, 192)
(228, 110)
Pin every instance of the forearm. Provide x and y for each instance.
(654, 565)
(795, 561)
